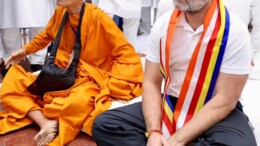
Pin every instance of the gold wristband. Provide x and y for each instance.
(147, 134)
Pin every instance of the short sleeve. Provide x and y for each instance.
(158, 31)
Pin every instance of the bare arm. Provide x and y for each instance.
(37, 43)
(228, 90)
(152, 98)
(47, 35)
(152, 103)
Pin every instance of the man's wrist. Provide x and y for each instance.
(147, 134)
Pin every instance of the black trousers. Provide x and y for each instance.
(125, 126)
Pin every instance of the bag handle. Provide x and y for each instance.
(77, 45)
(57, 38)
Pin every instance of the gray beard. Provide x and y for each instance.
(188, 9)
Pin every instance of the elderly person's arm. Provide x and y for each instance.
(39, 42)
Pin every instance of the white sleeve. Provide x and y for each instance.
(237, 57)
(153, 51)
(158, 32)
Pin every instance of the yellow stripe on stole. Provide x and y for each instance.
(168, 111)
(162, 71)
(213, 58)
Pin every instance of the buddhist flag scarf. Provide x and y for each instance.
(204, 64)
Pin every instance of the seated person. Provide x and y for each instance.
(108, 70)
(204, 54)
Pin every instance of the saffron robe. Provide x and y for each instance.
(109, 69)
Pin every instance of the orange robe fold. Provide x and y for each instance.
(108, 69)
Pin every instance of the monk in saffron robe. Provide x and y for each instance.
(109, 69)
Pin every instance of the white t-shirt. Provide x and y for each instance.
(237, 57)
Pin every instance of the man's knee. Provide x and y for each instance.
(97, 125)
(232, 131)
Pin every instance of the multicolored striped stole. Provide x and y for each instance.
(204, 65)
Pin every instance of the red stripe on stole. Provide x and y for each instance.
(168, 123)
(170, 33)
(161, 55)
(169, 38)
(203, 72)
(191, 66)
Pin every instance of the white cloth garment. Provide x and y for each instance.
(129, 10)
(39, 56)
(163, 7)
(25, 13)
(147, 3)
(11, 41)
(248, 11)
(16, 14)
(255, 72)
(122, 8)
(155, 3)
(1, 46)
(236, 58)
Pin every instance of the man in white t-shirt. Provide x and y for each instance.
(204, 54)
(247, 11)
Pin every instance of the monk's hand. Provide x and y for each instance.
(15, 57)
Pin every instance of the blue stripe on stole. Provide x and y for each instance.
(168, 100)
(220, 58)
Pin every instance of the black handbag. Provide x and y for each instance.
(52, 77)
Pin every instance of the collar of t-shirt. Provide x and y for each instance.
(186, 26)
